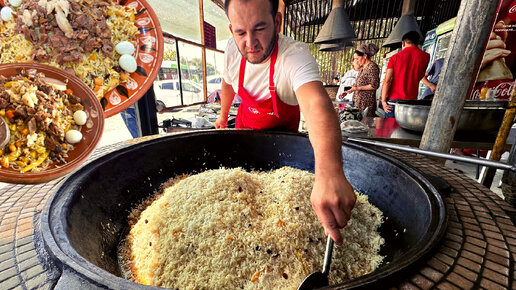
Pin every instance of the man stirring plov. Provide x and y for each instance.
(277, 77)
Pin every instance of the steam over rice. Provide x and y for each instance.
(231, 229)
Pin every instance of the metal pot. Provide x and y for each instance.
(477, 116)
(84, 220)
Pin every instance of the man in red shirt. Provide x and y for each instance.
(404, 71)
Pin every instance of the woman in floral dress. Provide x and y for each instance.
(367, 81)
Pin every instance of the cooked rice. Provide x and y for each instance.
(15, 48)
(230, 229)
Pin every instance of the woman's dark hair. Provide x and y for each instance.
(359, 53)
(274, 6)
(367, 49)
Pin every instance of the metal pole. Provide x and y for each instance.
(501, 139)
(462, 60)
(282, 10)
(408, 7)
(509, 180)
(146, 112)
(483, 162)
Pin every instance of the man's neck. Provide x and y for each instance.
(409, 45)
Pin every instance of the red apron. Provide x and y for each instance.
(271, 114)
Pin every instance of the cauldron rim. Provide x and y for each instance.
(78, 265)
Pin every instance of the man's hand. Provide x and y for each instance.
(432, 87)
(333, 199)
(226, 98)
(221, 122)
(496, 47)
(353, 89)
(386, 107)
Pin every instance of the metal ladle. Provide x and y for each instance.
(319, 279)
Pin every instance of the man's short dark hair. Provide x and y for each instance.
(411, 37)
(274, 6)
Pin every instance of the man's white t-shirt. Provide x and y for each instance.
(295, 66)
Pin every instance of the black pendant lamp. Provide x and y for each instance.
(405, 24)
(337, 27)
(336, 46)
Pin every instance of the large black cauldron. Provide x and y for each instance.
(83, 222)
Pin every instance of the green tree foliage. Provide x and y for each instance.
(197, 63)
(170, 54)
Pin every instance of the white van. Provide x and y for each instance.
(213, 83)
(168, 94)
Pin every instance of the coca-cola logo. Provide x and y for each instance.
(475, 95)
(495, 89)
(513, 9)
(503, 90)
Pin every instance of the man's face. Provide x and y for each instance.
(253, 28)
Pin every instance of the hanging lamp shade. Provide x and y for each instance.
(337, 27)
(406, 24)
(336, 46)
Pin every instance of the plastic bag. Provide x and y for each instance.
(353, 126)
(201, 122)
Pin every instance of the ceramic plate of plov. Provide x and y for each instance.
(91, 130)
(148, 54)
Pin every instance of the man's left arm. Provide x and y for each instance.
(386, 88)
(332, 197)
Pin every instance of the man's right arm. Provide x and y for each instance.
(428, 83)
(386, 87)
(226, 98)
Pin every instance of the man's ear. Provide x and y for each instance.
(277, 21)
(231, 28)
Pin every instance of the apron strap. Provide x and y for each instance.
(241, 76)
(272, 87)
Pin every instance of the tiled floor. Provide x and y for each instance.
(470, 171)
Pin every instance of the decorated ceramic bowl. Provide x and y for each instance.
(90, 131)
(148, 53)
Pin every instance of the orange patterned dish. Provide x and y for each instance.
(35, 161)
(115, 47)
